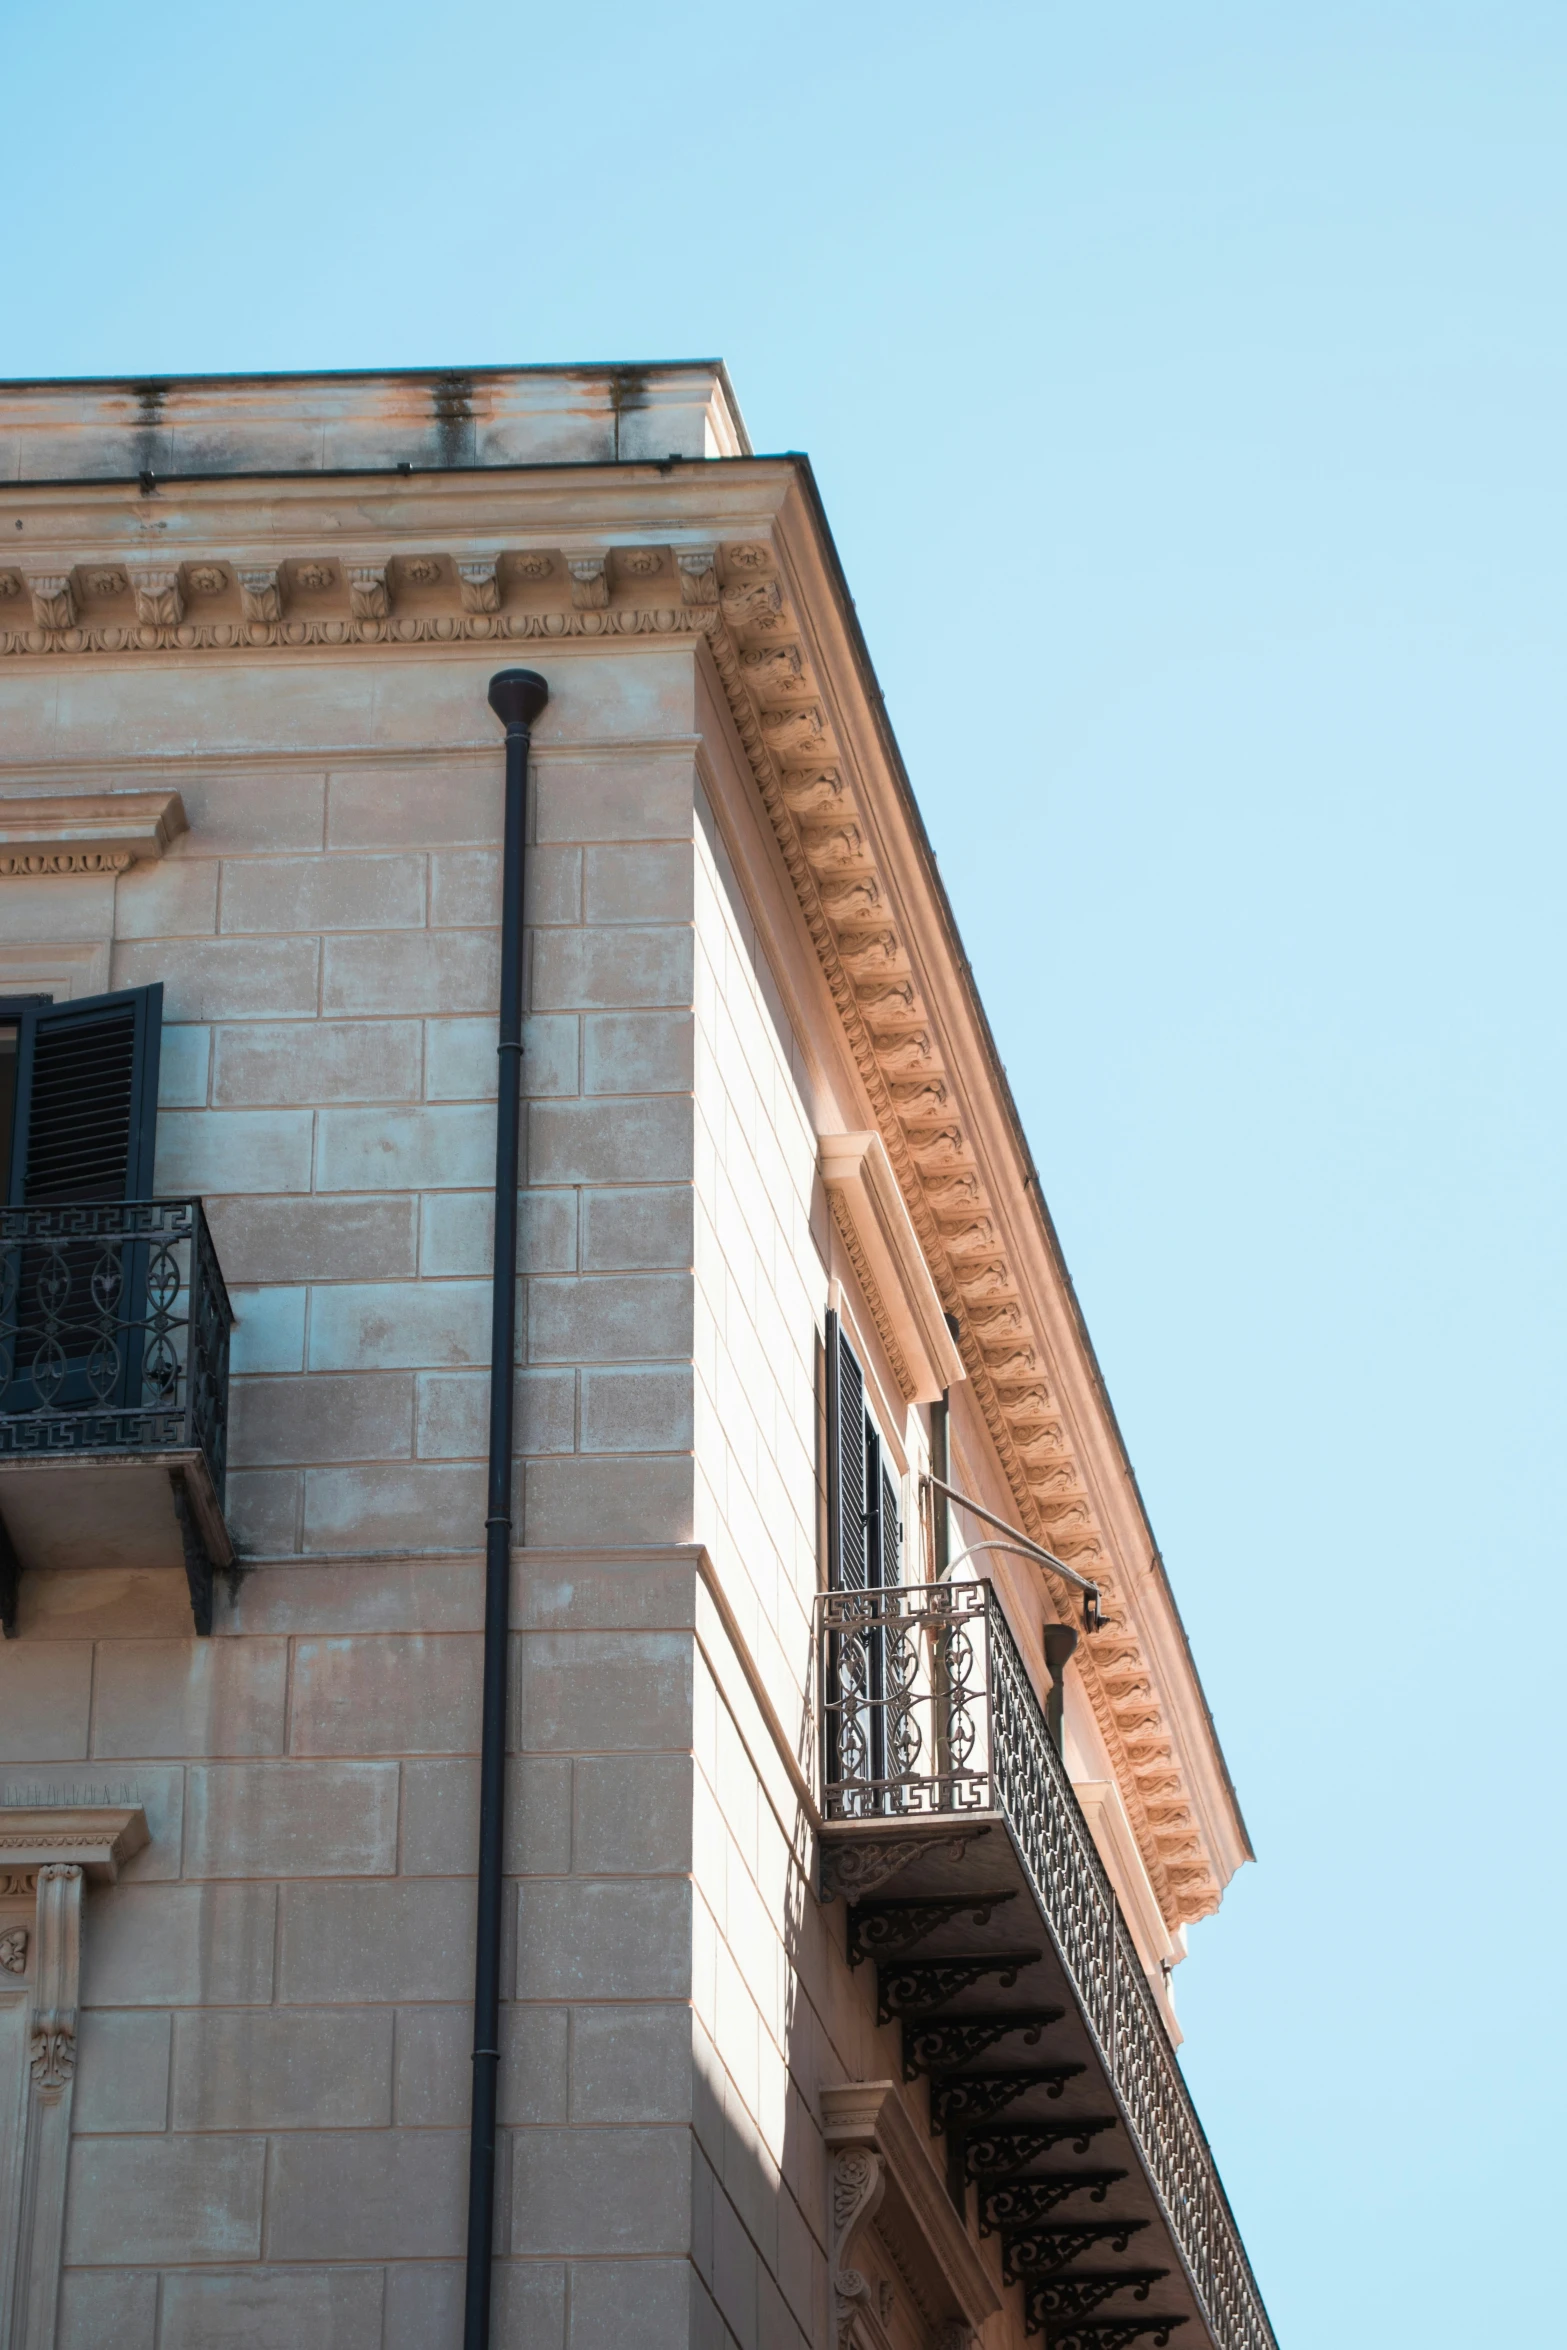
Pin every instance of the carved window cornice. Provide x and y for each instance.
(87, 832)
(878, 1234)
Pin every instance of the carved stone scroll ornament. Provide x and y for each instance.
(881, 2174)
(13, 1950)
(859, 2180)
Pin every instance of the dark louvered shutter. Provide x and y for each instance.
(846, 1562)
(891, 1532)
(86, 1100)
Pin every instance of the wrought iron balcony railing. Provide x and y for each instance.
(114, 1352)
(114, 1331)
(929, 1715)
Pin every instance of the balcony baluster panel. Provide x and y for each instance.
(964, 1732)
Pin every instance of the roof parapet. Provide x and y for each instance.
(416, 421)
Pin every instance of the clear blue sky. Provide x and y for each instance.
(1186, 387)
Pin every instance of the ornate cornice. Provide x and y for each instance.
(731, 595)
(825, 840)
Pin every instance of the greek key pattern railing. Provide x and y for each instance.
(114, 1330)
(925, 1683)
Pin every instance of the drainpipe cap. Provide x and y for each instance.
(517, 696)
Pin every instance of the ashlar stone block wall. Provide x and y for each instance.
(270, 2122)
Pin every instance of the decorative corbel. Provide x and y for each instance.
(54, 598)
(159, 602)
(881, 2172)
(859, 2181)
(261, 593)
(481, 589)
(698, 577)
(589, 582)
(368, 594)
(755, 603)
(856, 1866)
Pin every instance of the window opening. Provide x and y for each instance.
(865, 1548)
(80, 1130)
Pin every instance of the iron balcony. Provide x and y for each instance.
(114, 1367)
(952, 1831)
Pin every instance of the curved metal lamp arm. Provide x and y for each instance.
(1019, 1543)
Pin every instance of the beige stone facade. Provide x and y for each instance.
(759, 1092)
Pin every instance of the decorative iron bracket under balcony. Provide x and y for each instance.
(114, 1353)
(1003, 1955)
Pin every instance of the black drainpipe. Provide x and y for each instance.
(516, 696)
